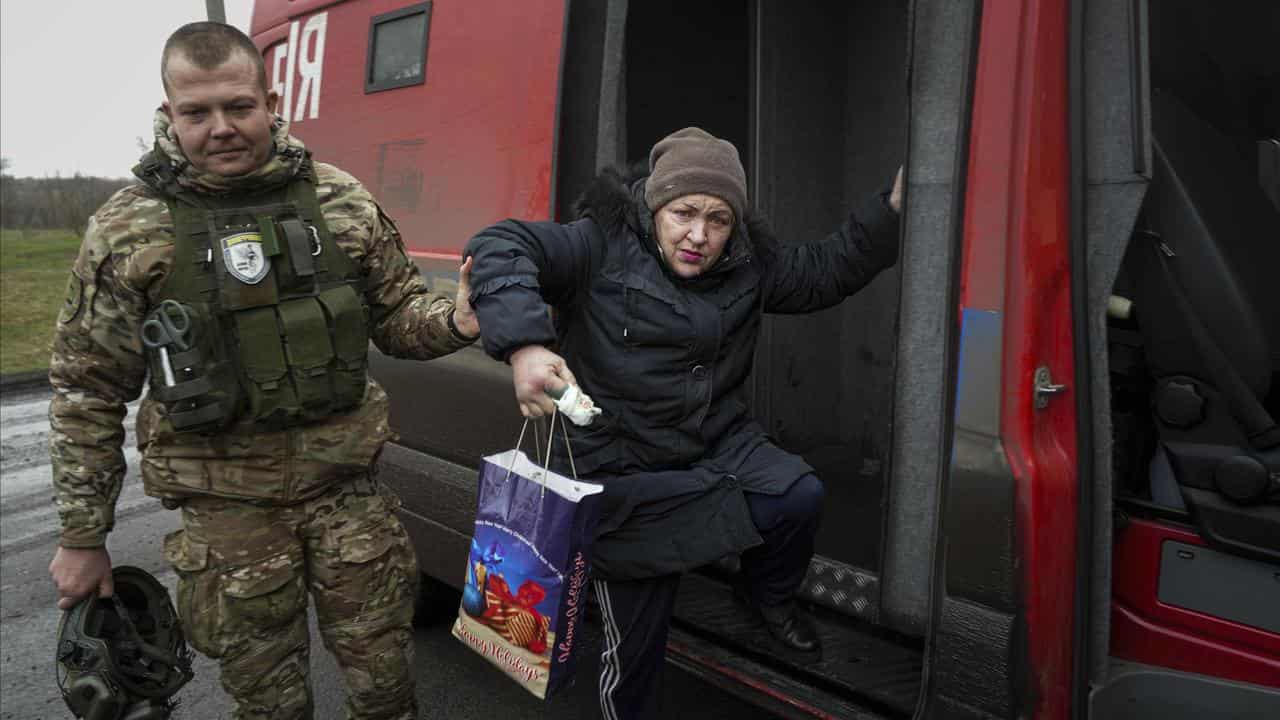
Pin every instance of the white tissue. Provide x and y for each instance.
(577, 406)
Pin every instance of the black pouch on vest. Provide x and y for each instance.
(205, 396)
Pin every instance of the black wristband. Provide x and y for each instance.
(453, 328)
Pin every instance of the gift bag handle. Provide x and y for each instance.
(546, 464)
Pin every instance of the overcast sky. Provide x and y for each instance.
(80, 79)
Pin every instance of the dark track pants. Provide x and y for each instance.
(635, 614)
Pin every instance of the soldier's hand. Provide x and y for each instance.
(537, 371)
(464, 317)
(77, 572)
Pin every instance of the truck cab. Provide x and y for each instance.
(1048, 436)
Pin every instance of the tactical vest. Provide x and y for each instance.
(279, 327)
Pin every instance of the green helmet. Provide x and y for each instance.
(123, 657)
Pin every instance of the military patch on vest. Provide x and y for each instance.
(243, 257)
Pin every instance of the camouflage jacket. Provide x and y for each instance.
(98, 364)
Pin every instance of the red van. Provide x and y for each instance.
(1048, 436)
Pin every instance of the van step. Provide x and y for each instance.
(859, 663)
(761, 685)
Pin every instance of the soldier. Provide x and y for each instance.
(246, 280)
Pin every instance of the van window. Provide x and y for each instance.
(398, 48)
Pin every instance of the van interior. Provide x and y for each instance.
(1193, 348)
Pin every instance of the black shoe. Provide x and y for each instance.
(788, 626)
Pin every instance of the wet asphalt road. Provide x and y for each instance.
(452, 683)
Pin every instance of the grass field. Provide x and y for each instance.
(34, 266)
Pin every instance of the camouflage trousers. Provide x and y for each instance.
(245, 572)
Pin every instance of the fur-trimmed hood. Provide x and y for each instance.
(615, 200)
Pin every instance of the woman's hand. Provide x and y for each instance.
(464, 317)
(895, 195)
(537, 371)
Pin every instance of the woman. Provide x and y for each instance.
(658, 291)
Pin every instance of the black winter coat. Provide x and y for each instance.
(667, 359)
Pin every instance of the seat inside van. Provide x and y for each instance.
(1195, 333)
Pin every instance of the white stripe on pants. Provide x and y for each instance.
(610, 669)
(635, 617)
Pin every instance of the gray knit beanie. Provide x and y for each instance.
(691, 161)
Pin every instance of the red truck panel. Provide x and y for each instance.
(471, 145)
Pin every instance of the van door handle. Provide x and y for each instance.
(1045, 387)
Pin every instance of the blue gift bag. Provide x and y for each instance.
(526, 578)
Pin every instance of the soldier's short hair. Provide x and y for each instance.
(208, 45)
